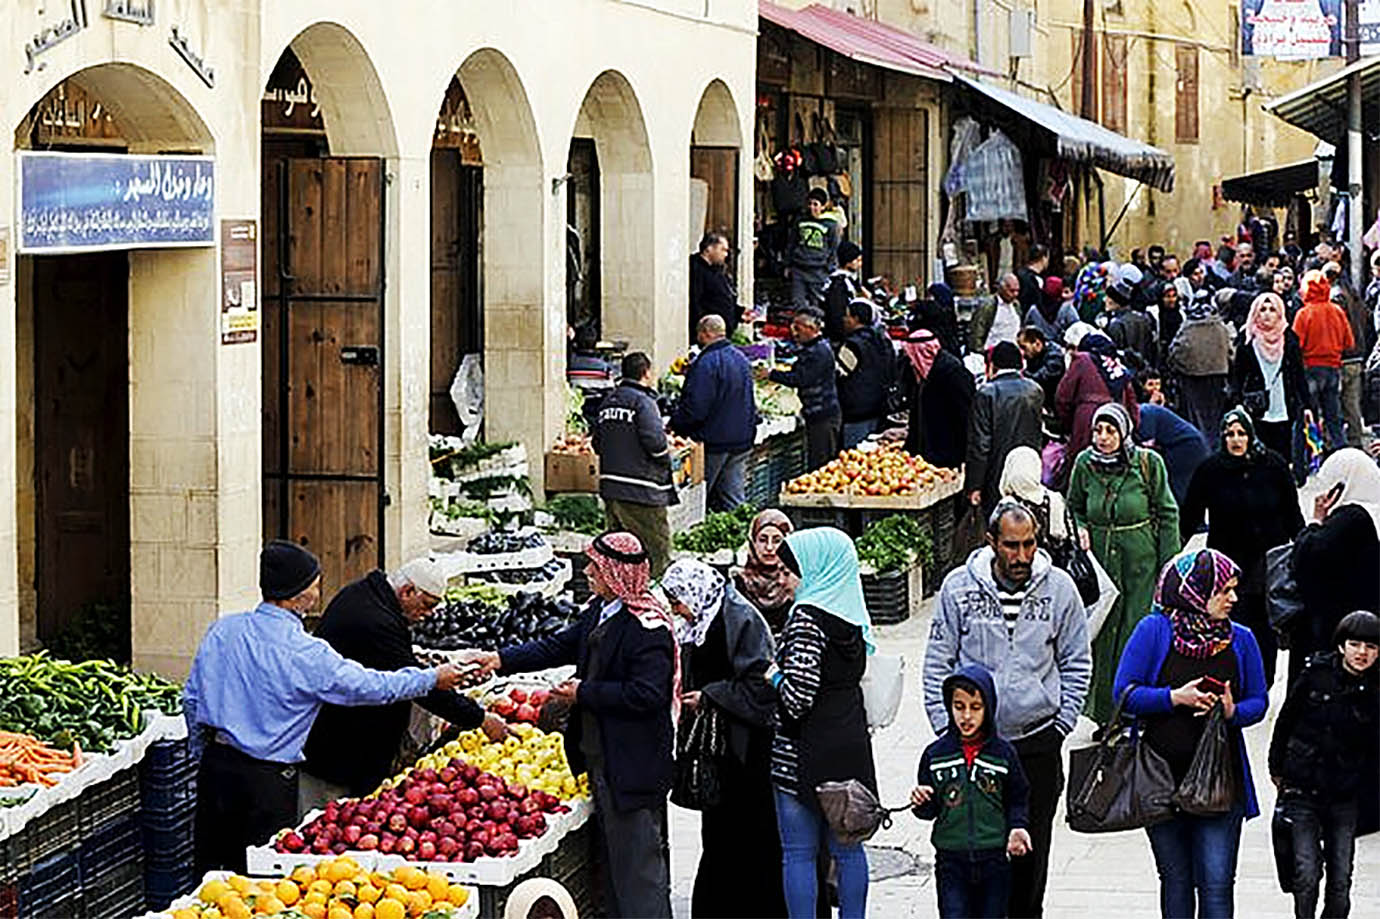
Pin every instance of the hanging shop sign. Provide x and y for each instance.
(139, 12)
(289, 101)
(1291, 29)
(1368, 21)
(239, 298)
(73, 202)
(69, 115)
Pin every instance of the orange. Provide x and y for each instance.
(380, 879)
(368, 893)
(396, 892)
(314, 910)
(316, 896)
(364, 911)
(321, 886)
(303, 875)
(458, 895)
(389, 908)
(213, 891)
(437, 886)
(411, 878)
(344, 889)
(342, 869)
(419, 902)
(288, 892)
(235, 909)
(340, 912)
(269, 905)
(239, 883)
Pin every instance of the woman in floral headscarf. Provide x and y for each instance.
(725, 651)
(1183, 659)
(763, 580)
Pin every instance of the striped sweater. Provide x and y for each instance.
(801, 651)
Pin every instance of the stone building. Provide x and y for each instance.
(342, 190)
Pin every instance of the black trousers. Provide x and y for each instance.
(637, 855)
(1042, 760)
(821, 441)
(1250, 611)
(241, 802)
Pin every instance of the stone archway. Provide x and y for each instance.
(715, 152)
(117, 499)
(610, 118)
(495, 139)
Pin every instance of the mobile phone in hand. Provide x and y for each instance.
(1212, 685)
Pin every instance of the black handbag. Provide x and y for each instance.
(1208, 788)
(1119, 782)
(1073, 559)
(701, 742)
(1283, 599)
(824, 150)
(789, 192)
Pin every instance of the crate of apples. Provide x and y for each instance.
(518, 705)
(882, 472)
(532, 757)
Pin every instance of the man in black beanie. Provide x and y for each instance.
(1005, 415)
(845, 286)
(256, 684)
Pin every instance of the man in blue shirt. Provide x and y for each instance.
(256, 684)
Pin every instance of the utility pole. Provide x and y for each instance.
(1354, 158)
(1087, 102)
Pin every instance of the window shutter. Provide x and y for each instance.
(1186, 94)
(1114, 82)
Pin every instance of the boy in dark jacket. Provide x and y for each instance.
(812, 378)
(814, 242)
(1323, 760)
(972, 786)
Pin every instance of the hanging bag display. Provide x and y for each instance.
(826, 160)
(808, 165)
(700, 747)
(1208, 788)
(762, 168)
(1119, 782)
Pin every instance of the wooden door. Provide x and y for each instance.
(457, 320)
(583, 296)
(901, 194)
(718, 167)
(81, 435)
(323, 361)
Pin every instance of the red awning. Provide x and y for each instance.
(869, 42)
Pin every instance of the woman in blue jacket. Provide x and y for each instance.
(1181, 660)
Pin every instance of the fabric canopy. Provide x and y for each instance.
(1067, 136)
(1273, 187)
(1320, 107)
(869, 42)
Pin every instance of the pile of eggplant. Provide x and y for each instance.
(472, 624)
(546, 573)
(495, 542)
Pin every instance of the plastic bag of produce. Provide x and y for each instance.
(852, 810)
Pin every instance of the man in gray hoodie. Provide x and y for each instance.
(1010, 610)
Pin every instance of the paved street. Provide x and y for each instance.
(1109, 875)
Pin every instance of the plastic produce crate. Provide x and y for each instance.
(108, 802)
(113, 847)
(55, 831)
(14, 856)
(570, 865)
(162, 887)
(167, 778)
(52, 888)
(169, 841)
(115, 894)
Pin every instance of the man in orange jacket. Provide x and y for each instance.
(1324, 333)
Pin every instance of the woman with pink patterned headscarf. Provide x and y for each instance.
(622, 707)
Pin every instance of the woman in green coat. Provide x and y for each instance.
(1119, 496)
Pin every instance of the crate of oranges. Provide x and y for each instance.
(334, 889)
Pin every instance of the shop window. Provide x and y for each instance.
(1186, 94)
(1114, 82)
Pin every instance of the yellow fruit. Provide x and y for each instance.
(211, 913)
(342, 869)
(364, 911)
(458, 895)
(396, 891)
(368, 893)
(412, 878)
(303, 875)
(344, 889)
(323, 869)
(263, 887)
(340, 912)
(212, 891)
(316, 896)
(235, 909)
(186, 914)
(314, 911)
(240, 884)
(321, 885)
(288, 892)
(388, 908)
(437, 885)
(418, 903)
(269, 905)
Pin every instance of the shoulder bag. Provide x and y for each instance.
(1207, 789)
(701, 742)
(1118, 782)
(1077, 562)
(1283, 601)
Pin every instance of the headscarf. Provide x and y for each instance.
(921, 347)
(1021, 479)
(942, 294)
(829, 577)
(1267, 337)
(1090, 290)
(1051, 298)
(1255, 447)
(1105, 358)
(767, 584)
(701, 589)
(1359, 478)
(623, 565)
(1186, 584)
(1115, 414)
(1076, 332)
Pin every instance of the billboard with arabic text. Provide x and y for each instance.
(75, 202)
(1291, 29)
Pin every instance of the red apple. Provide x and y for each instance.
(368, 841)
(526, 713)
(352, 834)
(473, 850)
(518, 695)
(538, 697)
(406, 846)
(426, 851)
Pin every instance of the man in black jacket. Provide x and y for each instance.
(1031, 277)
(717, 407)
(621, 727)
(711, 292)
(866, 364)
(844, 287)
(1044, 360)
(370, 622)
(635, 460)
(812, 378)
(1006, 415)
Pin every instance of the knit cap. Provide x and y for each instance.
(286, 569)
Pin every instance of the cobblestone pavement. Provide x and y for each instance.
(1105, 875)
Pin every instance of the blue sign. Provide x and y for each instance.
(72, 202)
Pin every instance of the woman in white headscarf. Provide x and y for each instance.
(1021, 479)
(726, 649)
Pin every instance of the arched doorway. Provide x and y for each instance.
(715, 143)
(114, 366)
(486, 269)
(610, 280)
(326, 130)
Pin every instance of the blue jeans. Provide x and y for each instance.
(1324, 835)
(802, 828)
(725, 478)
(1325, 398)
(855, 432)
(972, 885)
(1196, 860)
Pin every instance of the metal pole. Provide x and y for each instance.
(1355, 158)
(1087, 100)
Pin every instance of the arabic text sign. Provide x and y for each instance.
(1368, 18)
(1291, 29)
(76, 201)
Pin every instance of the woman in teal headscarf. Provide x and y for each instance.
(822, 726)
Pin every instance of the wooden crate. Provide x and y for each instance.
(572, 472)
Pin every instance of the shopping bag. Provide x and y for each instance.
(1208, 789)
(700, 746)
(1107, 596)
(1118, 782)
(883, 683)
(852, 810)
